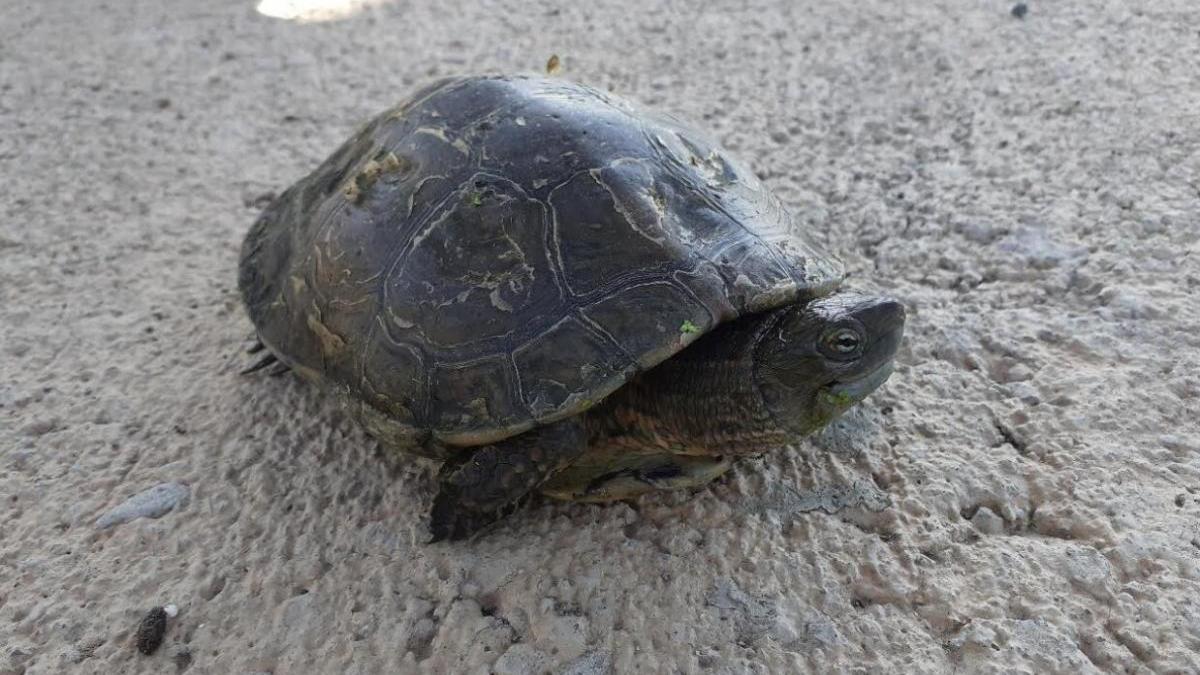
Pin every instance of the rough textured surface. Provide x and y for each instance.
(1020, 496)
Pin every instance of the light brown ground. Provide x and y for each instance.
(1021, 496)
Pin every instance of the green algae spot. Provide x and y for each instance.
(838, 400)
(688, 327)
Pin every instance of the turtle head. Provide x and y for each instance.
(819, 359)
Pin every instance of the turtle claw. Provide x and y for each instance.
(269, 359)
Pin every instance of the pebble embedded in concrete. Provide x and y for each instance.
(152, 503)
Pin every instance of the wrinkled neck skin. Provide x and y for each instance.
(793, 379)
(703, 401)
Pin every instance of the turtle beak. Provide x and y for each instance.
(883, 320)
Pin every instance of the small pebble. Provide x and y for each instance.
(1025, 392)
(986, 521)
(595, 662)
(520, 659)
(151, 630)
(153, 503)
(1041, 252)
(41, 427)
(1020, 9)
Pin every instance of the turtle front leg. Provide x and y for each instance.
(493, 481)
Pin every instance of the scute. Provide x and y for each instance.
(666, 314)
(568, 366)
(471, 276)
(592, 219)
(501, 252)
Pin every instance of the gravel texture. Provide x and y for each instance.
(1021, 496)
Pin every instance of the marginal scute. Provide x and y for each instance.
(392, 378)
(704, 283)
(756, 275)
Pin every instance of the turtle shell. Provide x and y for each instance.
(502, 252)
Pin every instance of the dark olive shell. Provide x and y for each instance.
(500, 252)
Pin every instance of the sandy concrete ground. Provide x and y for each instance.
(1020, 497)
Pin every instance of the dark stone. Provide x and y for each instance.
(151, 630)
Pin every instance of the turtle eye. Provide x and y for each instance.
(843, 342)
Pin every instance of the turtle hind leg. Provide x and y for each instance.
(497, 479)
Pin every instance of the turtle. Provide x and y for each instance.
(556, 291)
